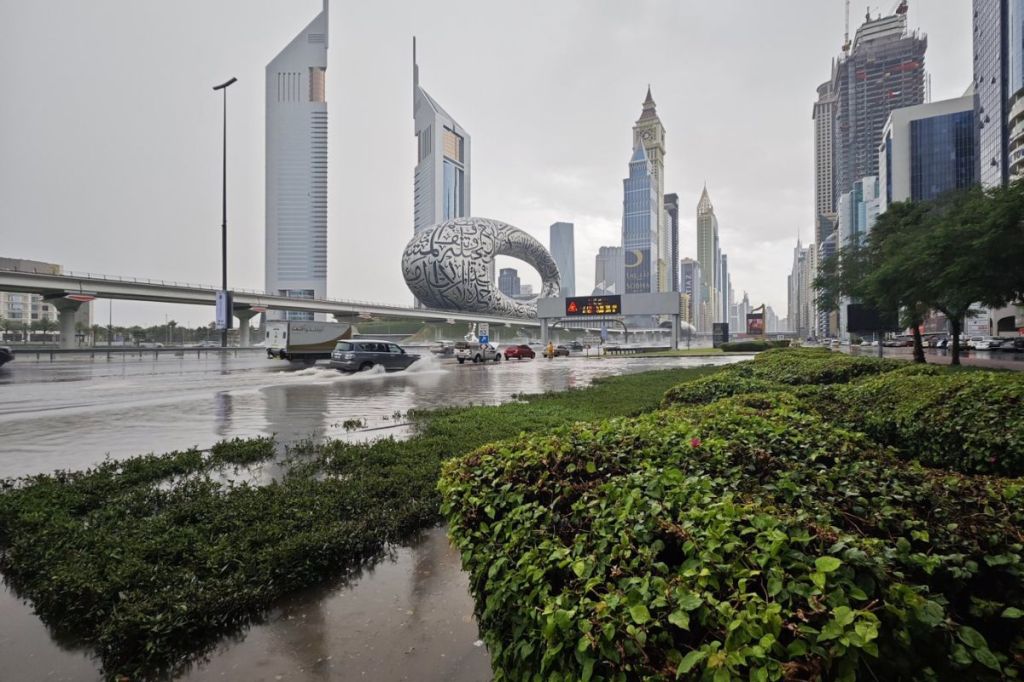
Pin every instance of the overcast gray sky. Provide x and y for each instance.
(110, 134)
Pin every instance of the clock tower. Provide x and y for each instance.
(649, 132)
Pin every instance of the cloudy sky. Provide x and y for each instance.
(110, 134)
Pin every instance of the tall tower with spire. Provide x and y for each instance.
(640, 199)
(296, 167)
(709, 259)
(650, 133)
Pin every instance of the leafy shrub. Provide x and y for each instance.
(817, 366)
(735, 541)
(714, 387)
(753, 345)
(972, 422)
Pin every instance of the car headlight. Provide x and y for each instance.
(349, 356)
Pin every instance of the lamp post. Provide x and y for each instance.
(224, 216)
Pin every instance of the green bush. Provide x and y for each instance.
(753, 345)
(972, 422)
(743, 540)
(716, 386)
(817, 366)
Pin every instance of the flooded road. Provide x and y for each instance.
(408, 617)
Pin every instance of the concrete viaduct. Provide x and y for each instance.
(67, 291)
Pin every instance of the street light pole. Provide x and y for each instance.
(224, 209)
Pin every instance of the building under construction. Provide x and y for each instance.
(882, 70)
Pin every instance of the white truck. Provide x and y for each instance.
(304, 342)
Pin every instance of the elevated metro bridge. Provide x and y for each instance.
(68, 290)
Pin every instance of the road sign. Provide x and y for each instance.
(483, 329)
(485, 339)
(593, 305)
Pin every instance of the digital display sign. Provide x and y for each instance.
(593, 305)
(755, 324)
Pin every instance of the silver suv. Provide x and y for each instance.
(359, 356)
(477, 352)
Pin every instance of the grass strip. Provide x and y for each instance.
(152, 566)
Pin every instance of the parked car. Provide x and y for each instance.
(1013, 345)
(576, 346)
(6, 355)
(559, 350)
(477, 352)
(987, 343)
(359, 356)
(519, 352)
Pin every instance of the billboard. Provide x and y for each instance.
(638, 271)
(224, 316)
(755, 324)
(719, 333)
(861, 319)
(593, 305)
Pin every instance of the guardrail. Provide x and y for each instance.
(128, 351)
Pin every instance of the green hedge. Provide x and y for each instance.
(972, 422)
(753, 345)
(743, 540)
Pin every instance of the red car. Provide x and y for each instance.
(519, 352)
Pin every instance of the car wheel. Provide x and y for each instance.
(497, 357)
(462, 361)
(507, 357)
(476, 359)
(365, 366)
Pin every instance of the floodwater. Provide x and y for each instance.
(407, 617)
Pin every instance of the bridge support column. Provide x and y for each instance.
(544, 332)
(66, 310)
(244, 315)
(675, 332)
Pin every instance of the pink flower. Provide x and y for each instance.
(991, 460)
(695, 442)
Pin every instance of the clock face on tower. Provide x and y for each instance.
(647, 136)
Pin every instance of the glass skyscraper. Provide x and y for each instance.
(999, 89)
(563, 250)
(928, 150)
(442, 176)
(640, 225)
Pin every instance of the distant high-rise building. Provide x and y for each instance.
(690, 283)
(443, 171)
(726, 285)
(999, 90)
(563, 251)
(508, 282)
(824, 115)
(801, 306)
(707, 243)
(640, 210)
(927, 150)
(609, 270)
(296, 167)
(827, 320)
(884, 70)
(650, 133)
(672, 218)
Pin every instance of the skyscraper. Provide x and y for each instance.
(609, 270)
(564, 253)
(672, 220)
(707, 243)
(442, 178)
(999, 89)
(824, 173)
(640, 203)
(884, 70)
(724, 286)
(649, 132)
(690, 283)
(927, 150)
(508, 282)
(296, 167)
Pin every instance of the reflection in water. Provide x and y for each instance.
(222, 403)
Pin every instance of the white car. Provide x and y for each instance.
(477, 352)
(986, 342)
